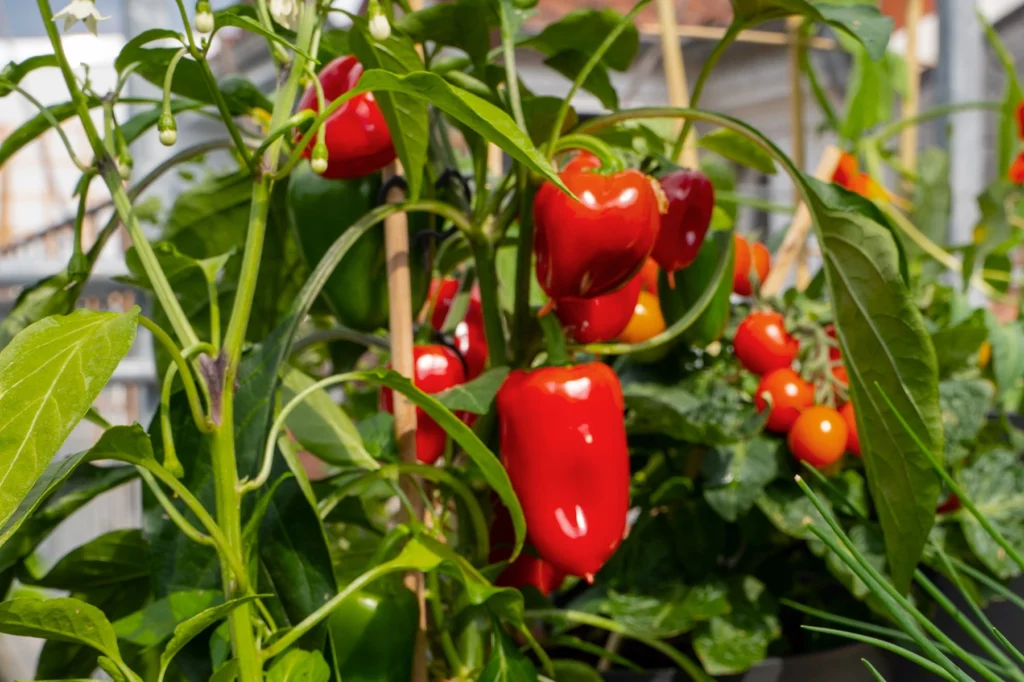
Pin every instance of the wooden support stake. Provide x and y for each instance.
(749, 36)
(675, 75)
(495, 160)
(912, 102)
(799, 230)
(400, 312)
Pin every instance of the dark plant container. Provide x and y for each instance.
(839, 665)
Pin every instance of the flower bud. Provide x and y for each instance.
(380, 29)
(204, 17)
(318, 160)
(168, 129)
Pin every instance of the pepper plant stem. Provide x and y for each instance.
(487, 278)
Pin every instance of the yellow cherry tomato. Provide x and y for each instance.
(647, 321)
(984, 354)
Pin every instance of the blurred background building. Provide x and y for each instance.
(751, 83)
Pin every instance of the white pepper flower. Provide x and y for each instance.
(285, 12)
(81, 10)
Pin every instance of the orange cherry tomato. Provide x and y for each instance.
(762, 260)
(647, 321)
(847, 171)
(789, 395)
(649, 276)
(984, 354)
(852, 439)
(818, 437)
(762, 343)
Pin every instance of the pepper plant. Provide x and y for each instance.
(267, 285)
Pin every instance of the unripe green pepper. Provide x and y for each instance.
(321, 210)
(374, 636)
(690, 283)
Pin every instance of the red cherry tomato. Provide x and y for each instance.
(691, 200)
(747, 255)
(593, 246)
(649, 276)
(438, 368)
(834, 354)
(949, 505)
(847, 171)
(357, 137)
(1017, 170)
(470, 338)
(762, 343)
(602, 318)
(647, 321)
(1020, 120)
(852, 439)
(789, 396)
(818, 436)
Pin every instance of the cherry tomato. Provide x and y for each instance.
(984, 354)
(649, 276)
(745, 256)
(949, 505)
(847, 171)
(818, 436)
(647, 321)
(834, 354)
(1020, 120)
(1017, 170)
(852, 439)
(789, 395)
(762, 343)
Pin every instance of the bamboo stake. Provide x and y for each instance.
(799, 230)
(675, 75)
(912, 102)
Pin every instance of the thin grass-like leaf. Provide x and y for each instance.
(835, 493)
(1008, 646)
(888, 646)
(877, 675)
(899, 607)
(989, 582)
(955, 487)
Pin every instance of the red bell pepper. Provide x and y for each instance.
(601, 318)
(593, 246)
(357, 137)
(470, 338)
(438, 368)
(527, 569)
(691, 201)
(563, 443)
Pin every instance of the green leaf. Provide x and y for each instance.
(55, 295)
(995, 483)
(188, 630)
(50, 375)
(869, 542)
(228, 18)
(735, 642)
(862, 21)
(462, 24)
(869, 96)
(505, 602)
(475, 396)
(155, 622)
(14, 72)
(790, 511)
(133, 51)
(540, 113)
(110, 559)
(739, 148)
(722, 415)
(660, 613)
(490, 467)
(507, 663)
(965, 408)
(63, 619)
(36, 126)
(52, 478)
(227, 672)
(321, 426)
(582, 30)
(407, 115)
(570, 63)
(886, 348)
(575, 671)
(1007, 355)
(735, 475)
(957, 344)
(932, 198)
(475, 113)
(299, 666)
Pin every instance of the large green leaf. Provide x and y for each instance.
(966, 404)
(570, 63)
(932, 198)
(1007, 356)
(321, 426)
(995, 483)
(475, 396)
(734, 642)
(112, 558)
(475, 113)
(14, 72)
(507, 663)
(50, 374)
(738, 148)
(735, 475)
(462, 24)
(299, 666)
(720, 416)
(885, 346)
(63, 619)
(957, 344)
(582, 30)
(863, 21)
(54, 295)
(407, 115)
